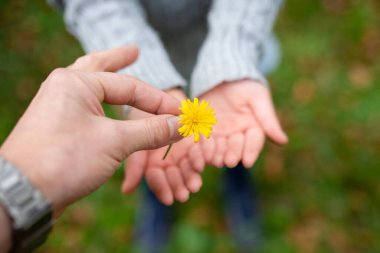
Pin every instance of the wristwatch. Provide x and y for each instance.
(29, 211)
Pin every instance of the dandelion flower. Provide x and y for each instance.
(196, 119)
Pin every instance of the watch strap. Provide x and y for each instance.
(30, 212)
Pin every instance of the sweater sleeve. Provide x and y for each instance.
(232, 48)
(101, 25)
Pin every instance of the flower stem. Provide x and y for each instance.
(167, 151)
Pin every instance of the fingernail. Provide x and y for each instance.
(183, 195)
(168, 201)
(173, 127)
(194, 186)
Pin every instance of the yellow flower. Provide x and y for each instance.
(196, 119)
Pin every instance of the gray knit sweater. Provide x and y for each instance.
(208, 41)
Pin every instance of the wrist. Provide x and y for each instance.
(31, 167)
(30, 217)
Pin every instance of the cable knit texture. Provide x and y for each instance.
(101, 25)
(231, 50)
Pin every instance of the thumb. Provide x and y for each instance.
(263, 108)
(149, 133)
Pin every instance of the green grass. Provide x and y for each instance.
(320, 193)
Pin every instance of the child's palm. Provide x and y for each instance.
(245, 115)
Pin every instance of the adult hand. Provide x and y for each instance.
(245, 114)
(170, 179)
(64, 143)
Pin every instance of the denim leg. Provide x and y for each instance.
(242, 208)
(241, 198)
(153, 223)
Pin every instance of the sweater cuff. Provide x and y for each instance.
(225, 57)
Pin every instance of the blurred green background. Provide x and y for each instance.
(320, 193)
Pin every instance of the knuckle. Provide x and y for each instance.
(60, 82)
(56, 77)
(94, 59)
(58, 73)
(157, 132)
(79, 62)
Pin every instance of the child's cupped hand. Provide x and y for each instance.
(246, 116)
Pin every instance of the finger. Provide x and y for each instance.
(149, 133)
(262, 106)
(192, 179)
(134, 171)
(254, 142)
(196, 158)
(177, 185)
(221, 147)
(110, 60)
(234, 153)
(159, 185)
(208, 148)
(120, 90)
